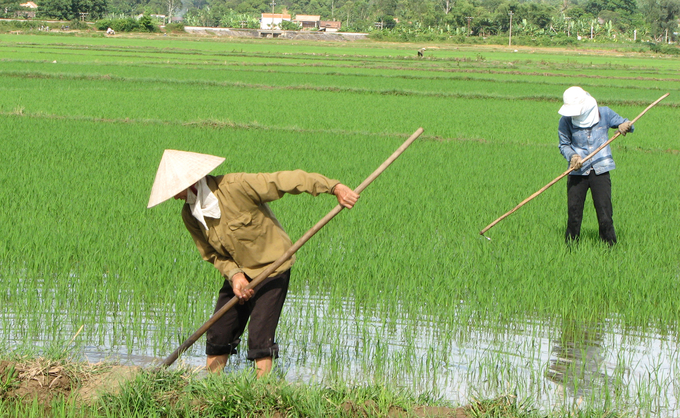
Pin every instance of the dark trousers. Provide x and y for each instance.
(263, 310)
(601, 190)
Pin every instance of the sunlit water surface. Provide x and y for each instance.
(552, 367)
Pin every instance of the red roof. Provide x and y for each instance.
(332, 24)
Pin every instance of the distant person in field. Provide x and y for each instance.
(582, 129)
(233, 227)
(421, 52)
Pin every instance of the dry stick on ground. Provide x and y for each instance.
(288, 254)
(591, 155)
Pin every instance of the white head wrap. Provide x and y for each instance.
(581, 106)
(203, 203)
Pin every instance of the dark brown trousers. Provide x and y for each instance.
(263, 310)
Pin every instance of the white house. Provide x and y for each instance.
(272, 20)
(26, 13)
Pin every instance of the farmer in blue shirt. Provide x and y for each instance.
(583, 128)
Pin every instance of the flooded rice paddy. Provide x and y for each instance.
(560, 328)
(553, 365)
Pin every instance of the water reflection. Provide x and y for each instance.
(578, 363)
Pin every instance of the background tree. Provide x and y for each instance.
(346, 12)
(539, 14)
(71, 9)
(172, 7)
(625, 7)
(578, 13)
(662, 17)
(502, 15)
(458, 16)
(56, 9)
(96, 9)
(594, 7)
(448, 4)
(8, 7)
(483, 23)
(440, 17)
(620, 12)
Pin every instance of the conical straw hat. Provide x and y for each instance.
(177, 171)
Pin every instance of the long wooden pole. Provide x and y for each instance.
(288, 254)
(591, 155)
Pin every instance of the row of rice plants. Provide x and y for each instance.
(439, 85)
(548, 62)
(180, 49)
(347, 111)
(407, 79)
(452, 85)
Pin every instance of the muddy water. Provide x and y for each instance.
(554, 366)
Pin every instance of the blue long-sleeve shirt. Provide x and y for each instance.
(583, 141)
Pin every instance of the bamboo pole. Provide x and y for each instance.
(558, 178)
(288, 254)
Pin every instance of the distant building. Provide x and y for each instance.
(329, 25)
(273, 20)
(307, 21)
(27, 14)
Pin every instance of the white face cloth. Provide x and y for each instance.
(588, 118)
(203, 203)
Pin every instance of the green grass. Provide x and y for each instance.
(186, 393)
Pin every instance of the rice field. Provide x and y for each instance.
(402, 289)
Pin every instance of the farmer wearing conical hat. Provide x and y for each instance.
(235, 230)
(582, 129)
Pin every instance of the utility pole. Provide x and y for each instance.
(273, 25)
(469, 18)
(510, 33)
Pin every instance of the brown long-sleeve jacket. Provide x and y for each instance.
(248, 237)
